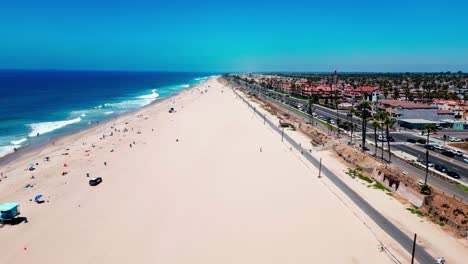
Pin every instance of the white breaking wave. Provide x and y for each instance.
(185, 85)
(108, 113)
(4, 150)
(19, 141)
(46, 127)
(201, 78)
(152, 95)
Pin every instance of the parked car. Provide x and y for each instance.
(439, 147)
(430, 164)
(95, 181)
(421, 141)
(440, 168)
(411, 140)
(391, 139)
(380, 138)
(429, 146)
(455, 139)
(448, 153)
(453, 174)
(465, 160)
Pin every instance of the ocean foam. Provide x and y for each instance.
(152, 95)
(19, 141)
(46, 127)
(201, 78)
(5, 150)
(109, 112)
(185, 85)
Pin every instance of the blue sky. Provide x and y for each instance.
(241, 35)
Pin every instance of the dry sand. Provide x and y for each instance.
(210, 197)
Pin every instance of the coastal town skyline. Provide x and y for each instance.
(250, 36)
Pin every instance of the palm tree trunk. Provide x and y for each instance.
(427, 158)
(375, 140)
(363, 133)
(381, 133)
(388, 144)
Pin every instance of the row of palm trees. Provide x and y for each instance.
(383, 120)
(380, 120)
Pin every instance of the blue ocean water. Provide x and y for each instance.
(37, 105)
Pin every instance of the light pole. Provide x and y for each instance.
(414, 249)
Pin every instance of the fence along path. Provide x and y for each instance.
(405, 241)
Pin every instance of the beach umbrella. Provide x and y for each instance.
(38, 197)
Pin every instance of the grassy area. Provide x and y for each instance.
(442, 224)
(461, 187)
(380, 186)
(358, 173)
(325, 124)
(415, 211)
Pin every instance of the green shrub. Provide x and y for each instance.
(426, 189)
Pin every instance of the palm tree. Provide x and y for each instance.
(337, 101)
(388, 124)
(311, 110)
(375, 124)
(329, 125)
(381, 116)
(364, 106)
(428, 128)
(351, 112)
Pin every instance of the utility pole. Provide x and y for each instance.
(414, 249)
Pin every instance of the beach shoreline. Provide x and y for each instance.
(177, 189)
(36, 147)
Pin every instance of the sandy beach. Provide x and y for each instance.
(209, 183)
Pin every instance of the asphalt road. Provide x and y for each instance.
(436, 158)
(436, 182)
(421, 255)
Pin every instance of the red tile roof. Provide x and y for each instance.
(406, 104)
(445, 112)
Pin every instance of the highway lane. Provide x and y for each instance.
(320, 110)
(436, 158)
(404, 239)
(436, 182)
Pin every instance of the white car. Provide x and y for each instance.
(439, 147)
(380, 138)
(456, 152)
(465, 160)
(455, 139)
